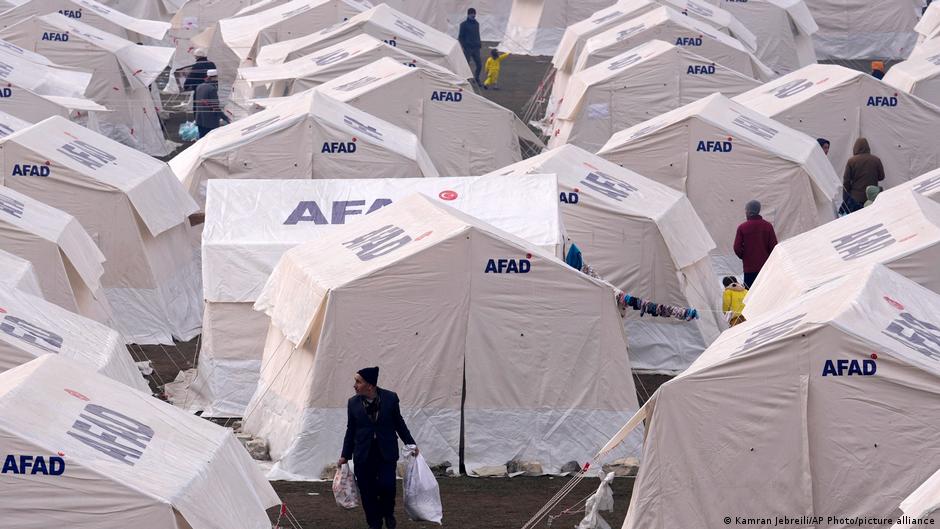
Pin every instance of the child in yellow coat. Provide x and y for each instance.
(492, 66)
(733, 300)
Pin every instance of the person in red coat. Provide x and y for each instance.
(753, 242)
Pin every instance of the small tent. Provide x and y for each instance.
(923, 504)
(611, 213)
(90, 12)
(917, 76)
(135, 209)
(832, 102)
(18, 273)
(251, 223)
(863, 30)
(122, 74)
(105, 456)
(305, 136)
(900, 230)
(31, 327)
(66, 260)
(667, 24)
(471, 303)
(385, 24)
(635, 86)
(709, 150)
(795, 414)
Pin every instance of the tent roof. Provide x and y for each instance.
(34, 73)
(927, 184)
(154, 29)
(383, 72)
(905, 74)
(18, 273)
(818, 78)
(717, 17)
(926, 498)
(10, 124)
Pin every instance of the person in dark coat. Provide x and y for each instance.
(197, 71)
(824, 145)
(373, 420)
(469, 38)
(206, 105)
(878, 69)
(862, 170)
(753, 242)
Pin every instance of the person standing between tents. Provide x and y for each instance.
(469, 38)
(493, 65)
(878, 69)
(373, 419)
(197, 72)
(206, 104)
(824, 145)
(753, 242)
(862, 170)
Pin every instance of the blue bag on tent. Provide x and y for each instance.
(189, 131)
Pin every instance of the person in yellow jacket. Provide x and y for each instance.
(732, 302)
(493, 64)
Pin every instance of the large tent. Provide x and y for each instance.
(922, 504)
(610, 213)
(124, 458)
(66, 260)
(137, 212)
(635, 86)
(464, 133)
(122, 74)
(385, 24)
(446, 15)
(850, 29)
(798, 412)
(31, 327)
(194, 17)
(92, 13)
(471, 303)
(18, 273)
(832, 102)
(537, 27)
(711, 151)
(305, 136)
(919, 76)
(900, 230)
(251, 223)
(665, 23)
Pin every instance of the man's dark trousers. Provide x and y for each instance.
(473, 56)
(205, 130)
(376, 481)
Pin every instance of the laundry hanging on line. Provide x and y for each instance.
(645, 306)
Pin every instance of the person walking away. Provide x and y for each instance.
(732, 301)
(197, 72)
(373, 419)
(493, 65)
(753, 242)
(872, 193)
(469, 38)
(878, 69)
(862, 170)
(206, 104)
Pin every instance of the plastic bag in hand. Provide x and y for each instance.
(344, 488)
(189, 131)
(422, 495)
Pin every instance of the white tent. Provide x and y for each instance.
(645, 239)
(864, 30)
(900, 230)
(470, 302)
(536, 27)
(124, 458)
(66, 260)
(798, 412)
(926, 48)
(841, 105)
(149, 9)
(18, 273)
(10, 124)
(251, 223)
(31, 327)
(135, 210)
(90, 12)
(667, 24)
(464, 133)
(194, 17)
(635, 86)
(446, 15)
(721, 155)
(927, 184)
(929, 24)
(917, 76)
(122, 74)
(385, 24)
(922, 504)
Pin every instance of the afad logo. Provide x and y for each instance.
(71, 13)
(56, 37)
(698, 69)
(6, 92)
(883, 101)
(689, 41)
(336, 147)
(509, 266)
(715, 146)
(25, 169)
(570, 198)
(33, 465)
(451, 96)
(843, 367)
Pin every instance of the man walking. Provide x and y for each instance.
(863, 169)
(469, 38)
(206, 104)
(373, 419)
(753, 242)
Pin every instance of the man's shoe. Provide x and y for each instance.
(390, 522)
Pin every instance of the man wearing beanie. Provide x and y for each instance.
(753, 242)
(373, 420)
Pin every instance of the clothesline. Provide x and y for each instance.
(645, 306)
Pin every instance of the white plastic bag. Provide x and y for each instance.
(344, 488)
(602, 500)
(422, 495)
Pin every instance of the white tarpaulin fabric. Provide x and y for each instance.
(92, 13)
(446, 15)
(900, 127)
(456, 287)
(635, 86)
(919, 76)
(839, 386)
(536, 27)
(31, 327)
(122, 74)
(149, 9)
(709, 150)
(900, 230)
(385, 24)
(610, 213)
(859, 29)
(18, 273)
(66, 260)
(927, 184)
(929, 24)
(304, 136)
(922, 504)
(194, 17)
(136, 211)
(251, 223)
(124, 458)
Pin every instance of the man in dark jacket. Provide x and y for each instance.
(469, 38)
(373, 419)
(862, 170)
(197, 71)
(206, 105)
(753, 242)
